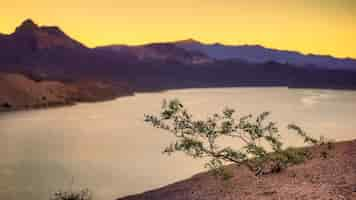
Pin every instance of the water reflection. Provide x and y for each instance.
(107, 147)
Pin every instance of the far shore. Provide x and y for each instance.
(73, 102)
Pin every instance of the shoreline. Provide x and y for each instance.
(104, 99)
(59, 105)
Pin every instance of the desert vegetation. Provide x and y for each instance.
(263, 150)
(83, 194)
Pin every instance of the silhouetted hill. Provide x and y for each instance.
(48, 52)
(29, 39)
(34, 37)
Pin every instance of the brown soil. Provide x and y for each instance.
(333, 178)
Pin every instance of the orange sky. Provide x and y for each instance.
(309, 26)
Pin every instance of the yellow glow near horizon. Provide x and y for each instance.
(309, 26)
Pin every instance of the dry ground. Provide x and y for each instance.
(333, 178)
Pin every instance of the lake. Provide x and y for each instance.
(107, 147)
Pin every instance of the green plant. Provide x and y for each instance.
(198, 138)
(79, 195)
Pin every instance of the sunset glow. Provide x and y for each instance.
(309, 26)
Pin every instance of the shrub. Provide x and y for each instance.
(80, 195)
(6, 105)
(198, 139)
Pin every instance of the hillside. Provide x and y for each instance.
(160, 52)
(332, 178)
(20, 92)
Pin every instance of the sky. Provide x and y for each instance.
(309, 26)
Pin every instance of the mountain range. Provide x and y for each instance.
(260, 54)
(46, 53)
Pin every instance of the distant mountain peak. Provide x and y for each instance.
(254, 46)
(29, 35)
(29, 22)
(27, 25)
(188, 41)
(30, 26)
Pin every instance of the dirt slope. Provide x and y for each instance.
(327, 179)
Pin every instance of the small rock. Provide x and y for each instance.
(269, 192)
(354, 188)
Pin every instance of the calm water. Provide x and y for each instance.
(108, 148)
